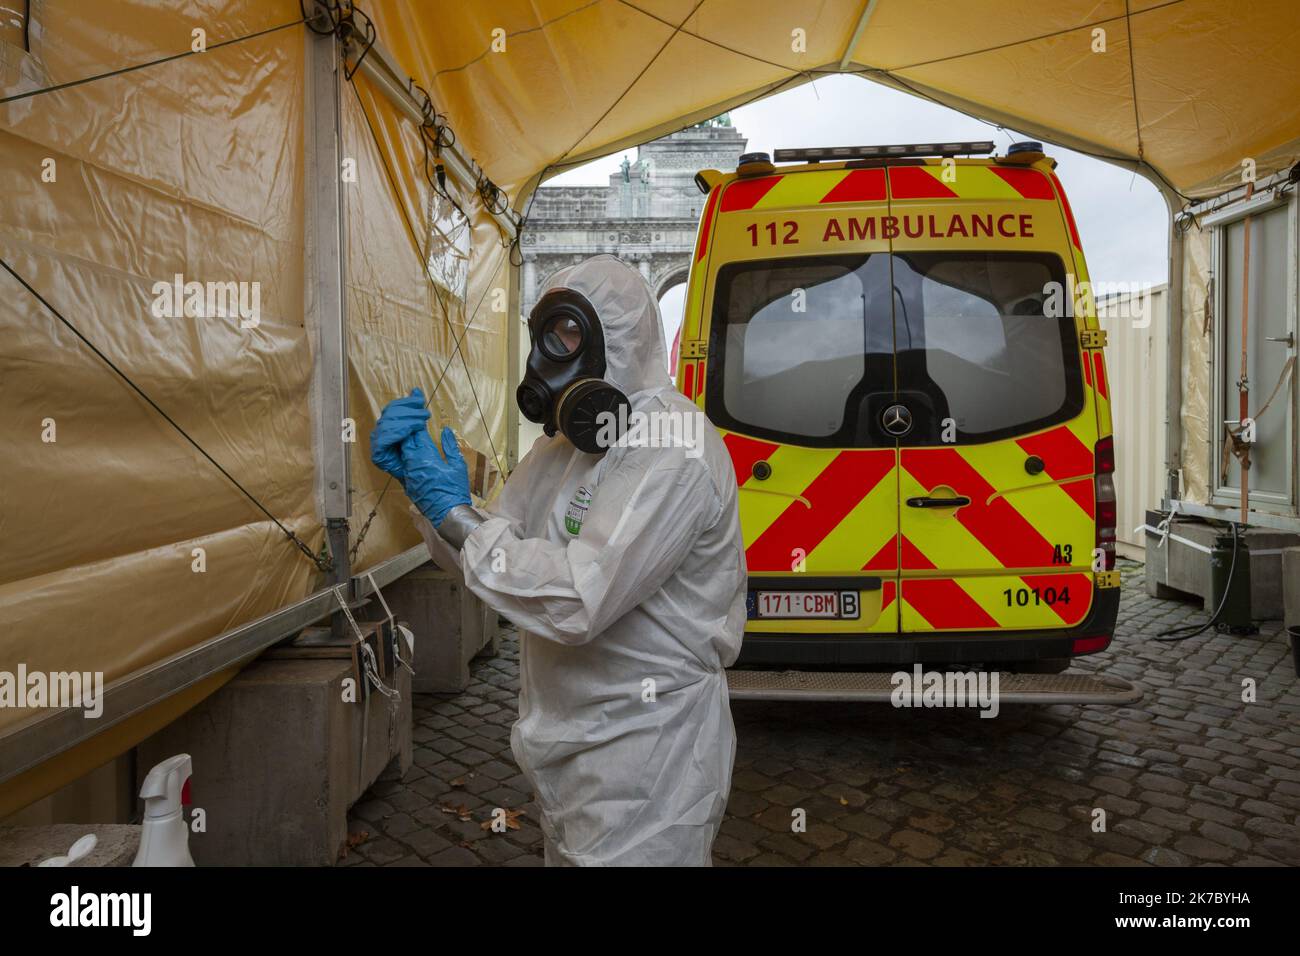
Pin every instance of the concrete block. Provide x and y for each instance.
(1266, 575)
(1171, 569)
(450, 624)
(27, 846)
(1183, 567)
(277, 760)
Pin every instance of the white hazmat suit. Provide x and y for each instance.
(626, 576)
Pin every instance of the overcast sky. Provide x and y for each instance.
(1122, 219)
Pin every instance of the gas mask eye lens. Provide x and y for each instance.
(562, 337)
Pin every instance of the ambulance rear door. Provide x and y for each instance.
(995, 427)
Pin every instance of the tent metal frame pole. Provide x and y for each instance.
(36, 740)
(860, 28)
(325, 253)
(515, 339)
(514, 361)
(1173, 352)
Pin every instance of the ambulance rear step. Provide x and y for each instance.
(878, 687)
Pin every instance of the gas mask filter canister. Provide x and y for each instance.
(563, 388)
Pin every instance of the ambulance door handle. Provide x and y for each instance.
(927, 502)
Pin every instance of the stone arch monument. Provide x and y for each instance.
(647, 215)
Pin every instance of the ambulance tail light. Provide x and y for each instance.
(1107, 513)
(707, 179)
(1091, 644)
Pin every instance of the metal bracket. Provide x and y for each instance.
(1106, 579)
(1092, 339)
(695, 349)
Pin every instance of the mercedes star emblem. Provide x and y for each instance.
(897, 420)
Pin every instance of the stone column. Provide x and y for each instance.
(529, 285)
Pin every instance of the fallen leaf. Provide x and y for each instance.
(512, 821)
(353, 839)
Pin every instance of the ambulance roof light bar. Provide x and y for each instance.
(820, 154)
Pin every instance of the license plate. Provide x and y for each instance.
(833, 605)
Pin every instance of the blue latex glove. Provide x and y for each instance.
(435, 482)
(400, 419)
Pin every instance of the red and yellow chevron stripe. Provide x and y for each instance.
(833, 511)
(832, 186)
(821, 511)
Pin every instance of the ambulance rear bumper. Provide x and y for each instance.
(949, 647)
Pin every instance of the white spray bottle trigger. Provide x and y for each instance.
(163, 787)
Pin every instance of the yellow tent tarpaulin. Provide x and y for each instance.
(1191, 87)
(195, 167)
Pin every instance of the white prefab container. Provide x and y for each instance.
(1135, 322)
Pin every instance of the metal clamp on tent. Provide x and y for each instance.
(394, 627)
(378, 65)
(369, 659)
(368, 664)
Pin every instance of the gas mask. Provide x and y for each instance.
(564, 388)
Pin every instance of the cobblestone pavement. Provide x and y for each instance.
(1190, 775)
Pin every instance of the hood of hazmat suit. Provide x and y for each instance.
(625, 573)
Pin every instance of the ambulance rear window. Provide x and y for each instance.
(813, 350)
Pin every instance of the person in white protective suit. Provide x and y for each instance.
(622, 563)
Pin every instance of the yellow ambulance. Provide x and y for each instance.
(898, 347)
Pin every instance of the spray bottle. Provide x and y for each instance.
(165, 838)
